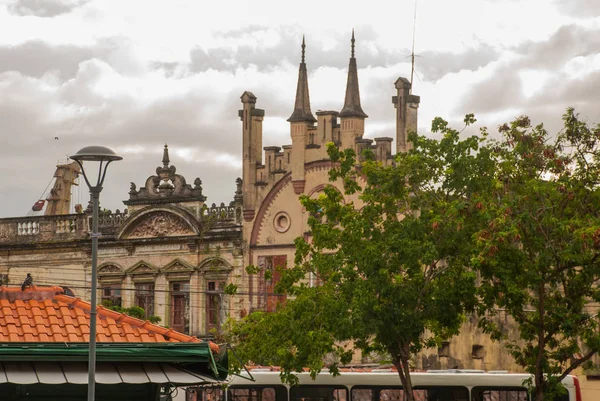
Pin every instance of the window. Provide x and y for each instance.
(269, 276)
(433, 393)
(144, 297)
(318, 393)
(257, 394)
(477, 351)
(111, 296)
(179, 304)
(499, 394)
(444, 349)
(205, 394)
(213, 305)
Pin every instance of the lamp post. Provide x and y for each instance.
(104, 156)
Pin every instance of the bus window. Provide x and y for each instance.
(207, 393)
(255, 394)
(362, 394)
(318, 393)
(499, 394)
(434, 393)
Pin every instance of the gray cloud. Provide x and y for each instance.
(431, 65)
(503, 89)
(567, 42)
(435, 65)
(44, 8)
(579, 8)
(37, 58)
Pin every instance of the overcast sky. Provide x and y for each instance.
(134, 75)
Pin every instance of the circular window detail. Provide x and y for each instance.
(282, 222)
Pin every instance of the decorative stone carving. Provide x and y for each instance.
(130, 248)
(215, 265)
(4, 235)
(109, 269)
(238, 197)
(142, 269)
(161, 224)
(165, 187)
(177, 267)
(192, 245)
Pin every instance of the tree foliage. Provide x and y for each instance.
(390, 269)
(397, 270)
(135, 311)
(538, 248)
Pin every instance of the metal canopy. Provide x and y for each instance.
(107, 373)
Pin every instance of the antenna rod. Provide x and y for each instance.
(412, 56)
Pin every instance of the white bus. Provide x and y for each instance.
(378, 385)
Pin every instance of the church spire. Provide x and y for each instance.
(352, 106)
(302, 106)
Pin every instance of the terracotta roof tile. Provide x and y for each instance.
(46, 314)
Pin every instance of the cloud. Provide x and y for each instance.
(435, 65)
(542, 79)
(267, 48)
(579, 8)
(567, 42)
(37, 58)
(44, 8)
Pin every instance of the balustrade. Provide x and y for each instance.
(28, 228)
(222, 212)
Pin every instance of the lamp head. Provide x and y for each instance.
(96, 154)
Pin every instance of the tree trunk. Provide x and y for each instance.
(403, 368)
(538, 394)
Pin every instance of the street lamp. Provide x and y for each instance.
(104, 156)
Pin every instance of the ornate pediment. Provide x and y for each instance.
(165, 187)
(142, 268)
(159, 224)
(110, 269)
(215, 265)
(177, 266)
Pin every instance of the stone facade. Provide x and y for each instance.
(168, 252)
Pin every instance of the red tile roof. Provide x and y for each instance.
(46, 314)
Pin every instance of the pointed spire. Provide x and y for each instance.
(165, 159)
(302, 106)
(352, 106)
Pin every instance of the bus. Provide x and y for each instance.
(377, 385)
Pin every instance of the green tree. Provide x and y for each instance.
(538, 251)
(391, 268)
(135, 311)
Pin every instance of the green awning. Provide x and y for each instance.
(196, 357)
